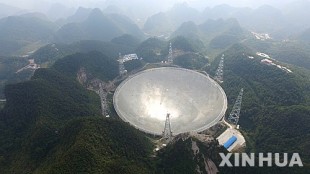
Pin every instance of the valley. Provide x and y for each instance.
(58, 77)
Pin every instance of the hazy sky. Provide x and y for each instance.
(30, 4)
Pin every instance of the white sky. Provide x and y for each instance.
(35, 4)
(29, 3)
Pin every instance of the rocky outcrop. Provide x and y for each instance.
(82, 76)
(204, 164)
(100, 87)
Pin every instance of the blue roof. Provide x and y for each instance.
(230, 142)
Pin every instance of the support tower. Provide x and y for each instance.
(167, 134)
(235, 113)
(170, 56)
(122, 69)
(219, 72)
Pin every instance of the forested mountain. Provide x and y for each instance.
(294, 52)
(51, 124)
(28, 27)
(52, 117)
(276, 103)
(98, 26)
(153, 50)
(165, 23)
(213, 33)
(191, 61)
(8, 68)
(186, 44)
(124, 44)
(171, 160)
(137, 10)
(262, 19)
(95, 63)
(19, 31)
(281, 23)
(19, 36)
(126, 39)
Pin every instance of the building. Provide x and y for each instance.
(230, 142)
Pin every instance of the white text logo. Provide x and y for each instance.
(264, 160)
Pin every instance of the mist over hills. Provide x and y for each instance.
(289, 22)
(19, 31)
(214, 33)
(28, 27)
(98, 26)
(166, 22)
(279, 22)
(58, 11)
(305, 36)
(52, 120)
(80, 15)
(25, 33)
(6, 10)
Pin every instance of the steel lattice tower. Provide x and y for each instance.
(235, 113)
(170, 56)
(121, 66)
(219, 72)
(122, 69)
(167, 134)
